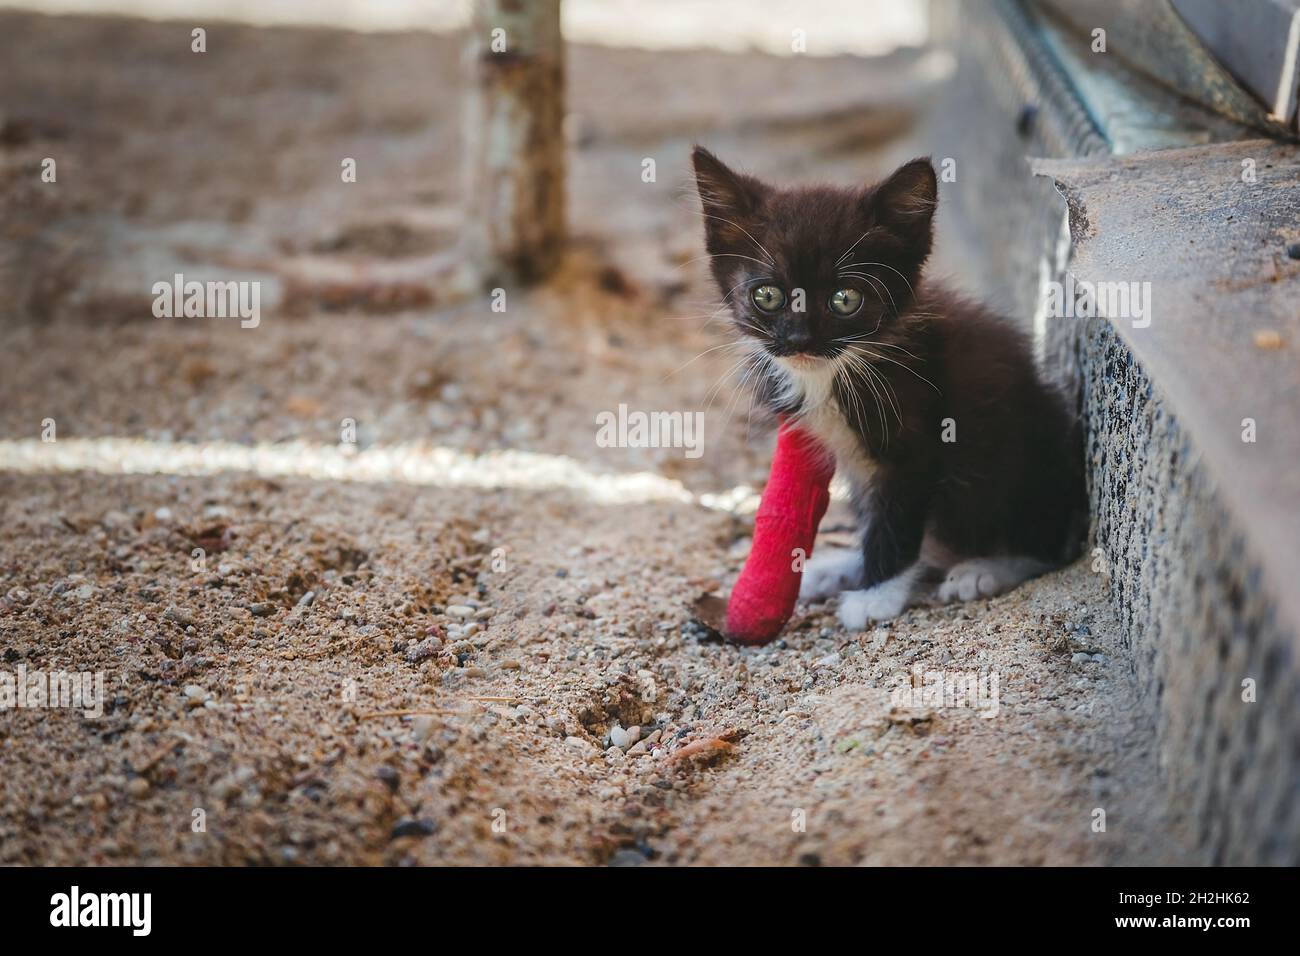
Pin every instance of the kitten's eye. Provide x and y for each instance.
(768, 298)
(846, 301)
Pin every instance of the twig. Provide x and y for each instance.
(406, 713)
(158, 755)
(711, 746)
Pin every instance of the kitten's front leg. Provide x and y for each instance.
(831, 572)
(891, 550)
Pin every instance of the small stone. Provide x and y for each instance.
(410, 827)
(1268, 339)
(460, 610)
(261, 609)
(306, 599)
(579, 743)
(510, 664)
(389, 777)
(194, 692)
(1080, 659)
(423, 650)
(138, 787)
(84, 592)
(627, 857)
(620, 738)
(182, 617)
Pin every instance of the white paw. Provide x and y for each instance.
(987, 577)
(830, 573)
(966, 582)
(881, 603)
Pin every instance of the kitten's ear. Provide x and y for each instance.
(905, 202)
(731, 201)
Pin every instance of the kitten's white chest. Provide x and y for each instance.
(827, 422)
(824, 419)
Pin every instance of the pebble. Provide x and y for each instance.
(460, 610)
(84, 592)
(414, 828)
(511, 665)
(579, 743)
(390, 778)
(622, 739)
(261, 609)
(423, 650)
(627, 857)
(306, 599)
(138, 787)
(181, 617)
(1080, 659)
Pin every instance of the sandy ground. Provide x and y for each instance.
(263, 689)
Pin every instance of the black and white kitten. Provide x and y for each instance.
(965, 469)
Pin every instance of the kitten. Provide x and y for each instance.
(965, 469)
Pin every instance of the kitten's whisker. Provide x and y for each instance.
(869, 379)
(708, 396)
(859, 409)
(740, 390)
(720, 255)
(724, 345)
(875, 376)
(770, 261)
(890, 268)
(889, 392)
(886, 358)
(873, 280)
(850, 249)
(712, 393)
(862, 338)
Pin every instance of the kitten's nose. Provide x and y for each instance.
(797, 340)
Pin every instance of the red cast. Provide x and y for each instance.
(797, 492)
